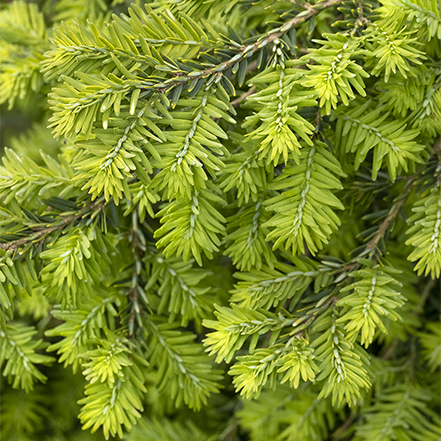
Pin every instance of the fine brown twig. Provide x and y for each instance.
(247, 51)
(235, 103)
(41, 232)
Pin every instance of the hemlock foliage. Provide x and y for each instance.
(220, 220)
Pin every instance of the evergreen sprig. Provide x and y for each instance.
(19, 357)
(253, 184)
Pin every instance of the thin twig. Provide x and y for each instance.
(390, 349)
(246, 51)
(361, 18)
(426, 291)
(41, 232)
(341, 430)
(133, 294)
(230, 432)
(235, 103)
(372, 244)
(437, 147)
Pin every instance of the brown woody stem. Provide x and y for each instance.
(41, 232)
(248, 51)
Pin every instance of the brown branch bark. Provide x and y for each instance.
(437, 147)
(341, 430)
(372, 244)
(41, 232)
(238, 100)
(134, 294)
(245, 52)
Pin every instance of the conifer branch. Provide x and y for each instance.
(437, 147)
(42, 232)
(390, 349)
(338, 434)
(136, 291)
(236, 102)
(372, 244)
(145, 105)
(249, 50)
